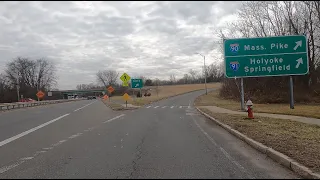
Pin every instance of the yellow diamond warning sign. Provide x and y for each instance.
(126, 97)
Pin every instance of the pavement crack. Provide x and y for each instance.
(138, 156)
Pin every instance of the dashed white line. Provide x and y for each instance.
(26, 158)
(156, 107)
(73, 136)
(114, 118)
(4, 142)
(84, 106)
(172, 107)
(180, 107)
(148, 107)
(164, 106)
(38, 152)
(7, 168)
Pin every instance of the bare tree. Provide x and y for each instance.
(172, 79)
(34, 74)
(157, 83)
(107, 77)
(4, 87)
(193, 74)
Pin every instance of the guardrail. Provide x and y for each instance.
(17, 105)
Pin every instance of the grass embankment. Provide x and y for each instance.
(306, 110)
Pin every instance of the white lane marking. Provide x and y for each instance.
(221, 149)
(114, 118)
(62, 141)
(38, 152)
(7, 168)
(180, 107)
(172, 107)
(73, 136)
(189, 104)
(230, 158)
(148, 107)
(4, 142)
(48, 148)
(156, 106)
(189, 114)
(164, 106)
(26, 158)
(84, 106)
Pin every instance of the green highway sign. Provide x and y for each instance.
(269, 56)
(136, 83)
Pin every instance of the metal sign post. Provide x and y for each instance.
(291, 94)
(242, 95)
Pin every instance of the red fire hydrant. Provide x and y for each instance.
(249, 105)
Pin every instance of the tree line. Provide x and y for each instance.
(28, 76)
(105, 78)
(277, 18)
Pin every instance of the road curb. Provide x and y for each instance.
(271, 153)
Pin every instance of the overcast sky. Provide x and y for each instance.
(153, 39)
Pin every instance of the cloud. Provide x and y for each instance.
(153, 39)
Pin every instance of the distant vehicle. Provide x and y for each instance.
(27, 100)
(72, 96)
(91, 97)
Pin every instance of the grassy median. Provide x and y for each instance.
(213, 99)
(297, 140)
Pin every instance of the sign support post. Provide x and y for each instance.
(291, 94)
(242, 95)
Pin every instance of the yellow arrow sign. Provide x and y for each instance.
(125, 77)
(126, 97)
(125, 83)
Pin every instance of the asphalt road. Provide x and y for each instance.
(85, 139)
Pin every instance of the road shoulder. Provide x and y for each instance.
(273, 154)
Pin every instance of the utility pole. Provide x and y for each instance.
(18, 87)
(205, 72)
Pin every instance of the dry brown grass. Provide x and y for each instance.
(165, 92)
(213, 99)
(297, 140)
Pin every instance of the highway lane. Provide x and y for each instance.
(169, 141)
(19, 120)
(55, 134)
